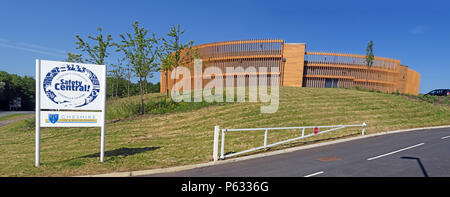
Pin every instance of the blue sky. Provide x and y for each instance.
(417, 33)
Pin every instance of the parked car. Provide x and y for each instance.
(439, 92)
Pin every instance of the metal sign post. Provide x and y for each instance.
(38, 113)
(70, 95)
(102, 135)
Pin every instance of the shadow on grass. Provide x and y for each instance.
(122, 152)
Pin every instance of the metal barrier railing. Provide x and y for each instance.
(316, 132)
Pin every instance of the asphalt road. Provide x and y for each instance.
(5, 113)
(421, 153)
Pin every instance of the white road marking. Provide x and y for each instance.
(396, 151)
(445, 137)
(314, 174)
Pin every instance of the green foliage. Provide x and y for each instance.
(143, 55)
(13, 86)
(2, 87)
(96, 53)
(437, 100)
(119, 78)
(130, 107)
(173, 50)
(175, 53)
(163, 106)
(116, 73)
(76, 58)
(369, 60)
(29, 124)
(442, 100)
(369, 54)
(74, 163)
(141, 52)
(122, 90)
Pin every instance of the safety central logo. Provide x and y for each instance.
(71, 85)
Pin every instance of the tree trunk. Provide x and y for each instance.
(145, 85)
(367, 78)
(117, 89)
(129, 81)
(128, 88)
(112, 89)
(142, 97)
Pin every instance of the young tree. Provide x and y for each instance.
(175, 53)
(116, 73)
(2, 87)
(141, 52)
(97, 53)
(369, 60)
(166, 65)
(13, 86)
(128, 77)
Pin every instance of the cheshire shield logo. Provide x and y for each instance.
(53, 118)
(71, 85)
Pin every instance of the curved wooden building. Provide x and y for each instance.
(292, 65)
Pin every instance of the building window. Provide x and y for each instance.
(331, 83)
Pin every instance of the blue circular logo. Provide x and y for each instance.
(71, 85)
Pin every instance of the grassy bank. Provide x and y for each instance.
(439, 100)
(155, 103)
(185, 137)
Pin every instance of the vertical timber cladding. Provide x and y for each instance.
(255, 53)
(408, 81)
(293, 67)
(401, 80)
(301, 68)
(412, 82)
(351, 71)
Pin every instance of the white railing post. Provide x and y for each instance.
(265, 139)
(303, 132)
(363, 128)
(216, 143)
(223, 144)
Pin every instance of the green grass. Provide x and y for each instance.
(156, 103)
(180, 137)
(441, 100)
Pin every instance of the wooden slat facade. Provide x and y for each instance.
(262, 54)
(386, 75)
(301, 68)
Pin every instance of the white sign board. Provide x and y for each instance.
(71, 86)
(64, 93)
